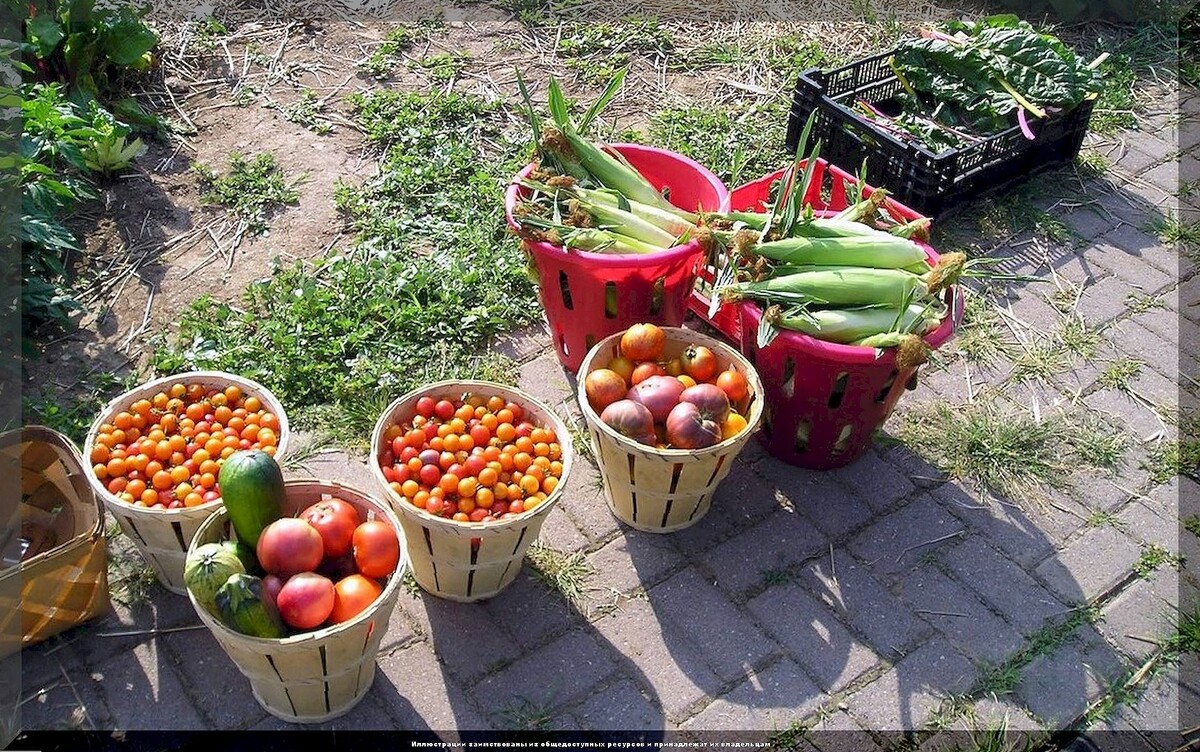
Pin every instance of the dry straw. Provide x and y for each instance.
(664, 490)
(314, 676)
(65, 584)
(162, 536)
(463, 561)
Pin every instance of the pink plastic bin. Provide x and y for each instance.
(824, 401)
(577, 287)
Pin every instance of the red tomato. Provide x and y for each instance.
(643, 342)
(425, 406)
(622, 366)
(604, 387)
(734, 385)
(289, 546)
(272, 584)
(335, 520)
(699, 362)
(305, 600)
(444, 409)
(644, 371)
(351, 596)
(376, 548)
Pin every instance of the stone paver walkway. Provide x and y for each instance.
(878, 598)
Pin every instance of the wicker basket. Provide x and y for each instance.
(67, 582)
(444, 559)
(163, 535)
(314, 676)
(664, 490)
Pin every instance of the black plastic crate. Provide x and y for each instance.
(933, 184)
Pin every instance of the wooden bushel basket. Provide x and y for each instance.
(664, 490)
(314, 676)
(66, 583)
(468, 561)
(162, 536)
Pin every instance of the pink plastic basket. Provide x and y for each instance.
(588, 296)
(824, 401)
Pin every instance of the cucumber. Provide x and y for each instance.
(206, 569)
(245, 607)
(245, 555)
(252, 489)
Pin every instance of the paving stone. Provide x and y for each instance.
(1097, 491)
(59, 706)
(769, 699)
(1022, 601)
(1156, 712)
(1087, 221)
(1145, 247)
(583, 501)
(366, 715)
(834, 510)
(1144, 345)
(895, 543)
(413, 688)
(848, 587)
(782, 540)
(143, 691)
(741, 500)
(993, 712)
(838, 732)
(813, 635)
(913, 466)
(875, 481)
(552, 676)
(959, 615)
(1118, 737)
(1163, 322)
(619, 707)
(220, 691)
(464, 635)
(44, 663)
(1027, 534)
(633, 559)
(731, 643)
(1124, 410)
(1058, 687)
(1142, 610)
(400, 629)
(1159, 527)
(543, 378)
(1035, 314)
(905, 696)
(559, 532)
(162, 610)
(1090, 565)
(1142, 152)
(658, 654)
(530, 609)
(524, 344)
(1103, 301)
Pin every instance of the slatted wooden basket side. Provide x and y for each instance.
(68, 584)
(162, 536)
(444, 560)
(314, 676)
(664, 490)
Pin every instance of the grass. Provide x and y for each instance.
(72, 414)
(1177, 233)
(779, 576)
(253, 188)
(1132, 60)
(1103, 518)
(1038, 361)
(1186, 636)
(308, 111)
(1153, 557)
(1007, 452)
(429, 280)
(443, 66)
(522, 714)
(1168, 459)
(596, 51)
(1141, 303)
(981, 335)
(1016, 212)
(1192, 524)
(1120, 374)
(564, 573)
(131, 581)
(738, 142)
(1078, 339)
(383, 59)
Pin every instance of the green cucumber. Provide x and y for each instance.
(245, 607)
(253, 492)
(245, 554)
(206, 569)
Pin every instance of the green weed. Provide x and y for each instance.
(1141, 303)
(1186, 636)
(715, 138)
(72, 414)
(383, 59)
(1192, 524)
(1131, 62)
(252, 189)
(1120, 374)
(1004, 451)
(1177, 233)
(981, 334)
(1171, 458)
(522, 714)
(564, 573)
(443, 66)
(308, 111)
(1103, 518)
(1153, 557)
(708, 55)
(596, 51)
(1038, 361)
(1080, 340)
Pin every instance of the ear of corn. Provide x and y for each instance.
(846, 325)
(841, 286)
(878, 250)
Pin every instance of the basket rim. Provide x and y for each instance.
(616, 260)
(753, 421)
(37, 432)
(484, 528)
(116, 403)
(389, 590)
(854, 354)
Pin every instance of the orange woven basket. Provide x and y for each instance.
(53, 544)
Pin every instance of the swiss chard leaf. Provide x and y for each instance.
(45, 33)
(127, 39)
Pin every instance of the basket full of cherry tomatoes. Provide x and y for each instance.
(668, 409)
(472, 468)
(155, 453)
